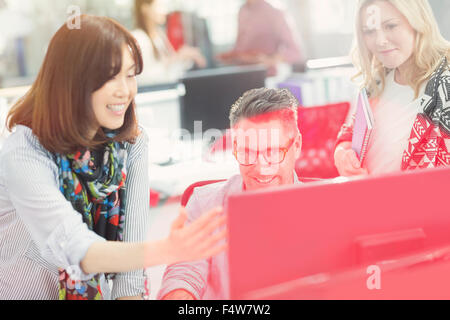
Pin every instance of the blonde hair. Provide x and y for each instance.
(429, 48)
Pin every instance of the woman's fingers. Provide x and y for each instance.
(200, 239)
(180, 221)
(203, 221)
(213, 245)
(213, 225)
(352, 159)
(210, 246)
(214, 251)
(364, 172)
(355, 172)
(201, 249)
(213, 240)
(207, 239)
(348, 164)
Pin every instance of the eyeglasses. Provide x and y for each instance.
(247, 157)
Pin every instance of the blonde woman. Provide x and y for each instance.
(404, 63)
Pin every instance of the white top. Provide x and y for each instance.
(394, 116)
(158, 70)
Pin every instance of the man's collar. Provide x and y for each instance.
(296, 179)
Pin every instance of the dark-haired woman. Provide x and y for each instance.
(74, 178)
(163, 63)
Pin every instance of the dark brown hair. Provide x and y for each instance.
(138, 16)
(58, 107)
(139, 19)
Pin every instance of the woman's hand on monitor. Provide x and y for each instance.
(199, 240)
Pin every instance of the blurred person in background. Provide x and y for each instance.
(264, 37)
(162, 64)
(404, 64)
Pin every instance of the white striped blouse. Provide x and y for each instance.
(41, 232)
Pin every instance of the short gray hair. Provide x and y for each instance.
(262, 101)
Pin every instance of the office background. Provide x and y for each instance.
(325, 26)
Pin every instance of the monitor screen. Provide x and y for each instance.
(283, 234)
(211, 93)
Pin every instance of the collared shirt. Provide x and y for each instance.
(206, 279)
(41, 232)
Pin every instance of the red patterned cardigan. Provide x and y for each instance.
(429, 142)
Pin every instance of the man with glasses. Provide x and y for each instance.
(266, 144)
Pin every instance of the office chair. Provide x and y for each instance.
(190, 190)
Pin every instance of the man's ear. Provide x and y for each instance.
(298, 146)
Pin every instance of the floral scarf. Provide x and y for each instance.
(429, 143)
(94, 182)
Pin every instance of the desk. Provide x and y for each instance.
(190, 167)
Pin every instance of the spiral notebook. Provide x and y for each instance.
(363, 127)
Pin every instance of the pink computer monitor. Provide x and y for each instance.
(279, 235)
